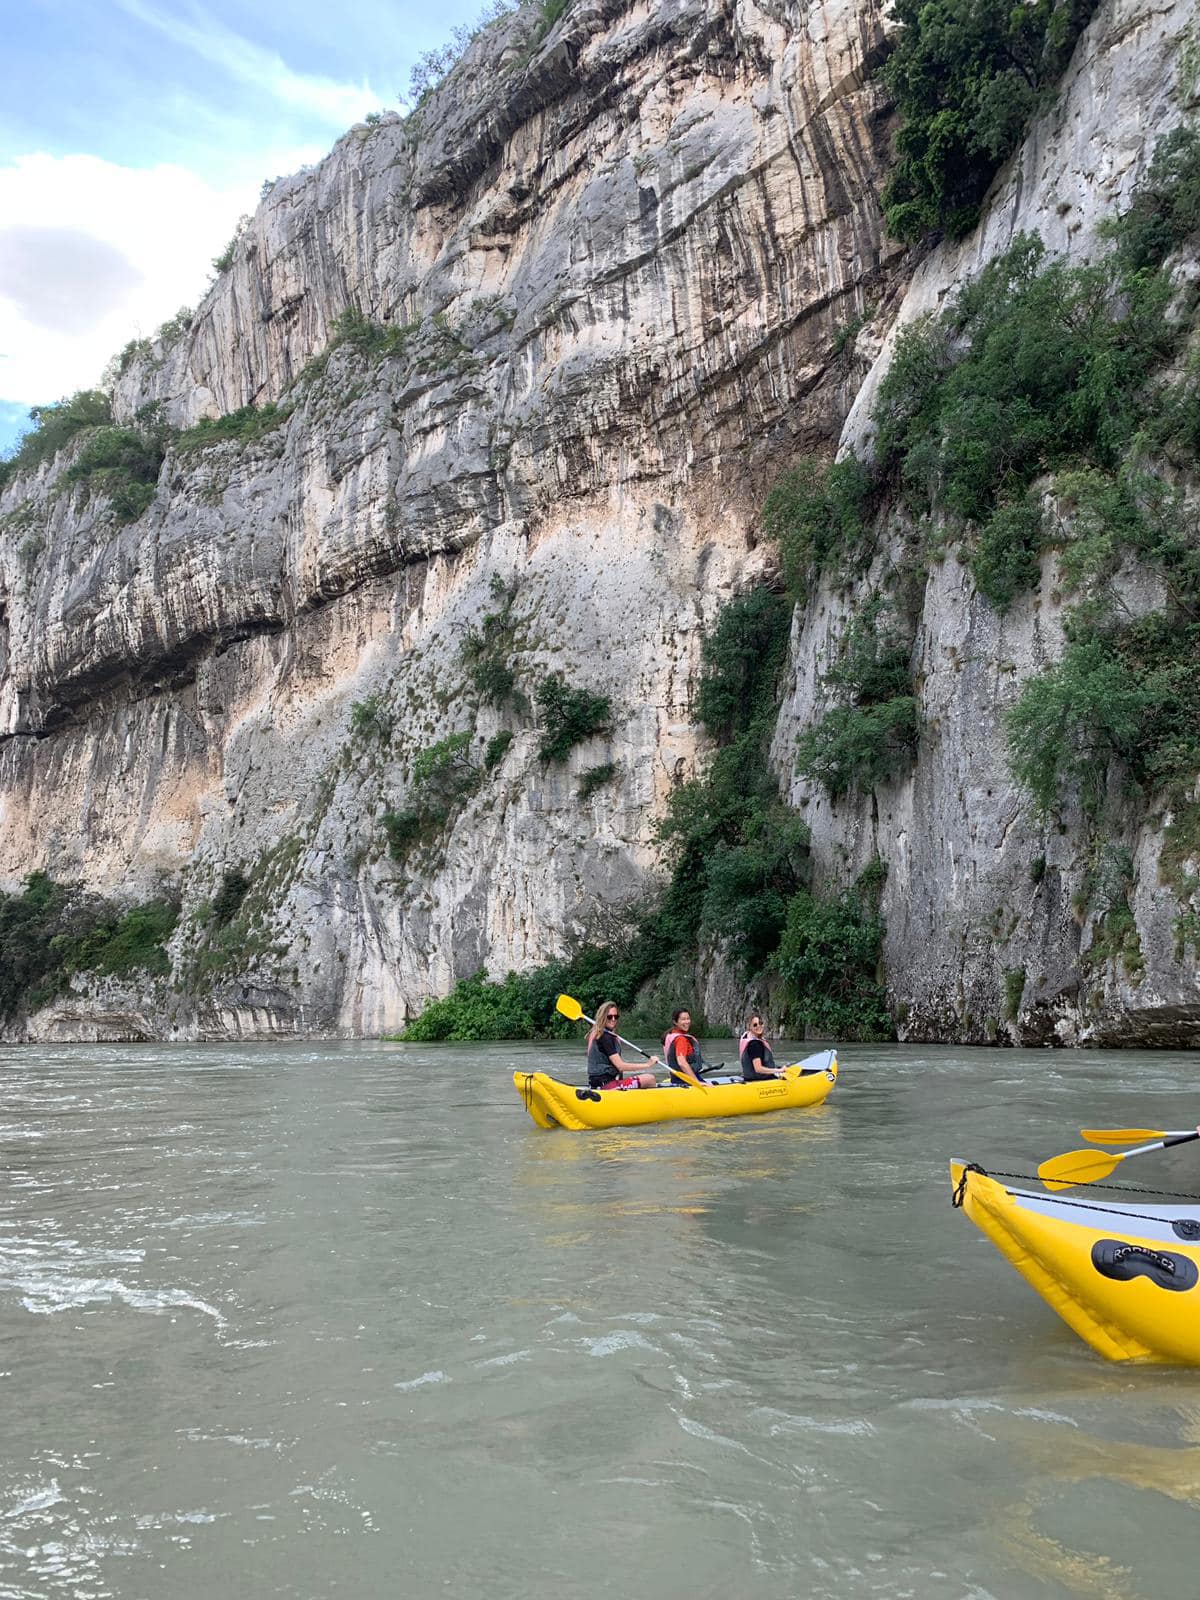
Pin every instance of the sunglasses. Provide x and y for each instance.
(611, 1016)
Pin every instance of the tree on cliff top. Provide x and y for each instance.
(967, 76)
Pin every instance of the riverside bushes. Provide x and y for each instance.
(829, 956)
(50, 931)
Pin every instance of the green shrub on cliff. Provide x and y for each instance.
(967, 75)
(487, 651)
(818, 514)
(871, 737)
(443, 778)
(53, 427)
(568, 716)
(50, 931)
(123, 466)
(243, 425)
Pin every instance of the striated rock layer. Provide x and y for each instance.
(986, 934)
(622, 256)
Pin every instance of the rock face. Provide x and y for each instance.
(615, 262)
(986, 932)
(621, 255)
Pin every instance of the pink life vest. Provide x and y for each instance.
(768, 1059)
(669, 1049)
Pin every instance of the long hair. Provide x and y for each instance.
(600, 1025)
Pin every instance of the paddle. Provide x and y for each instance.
(574, 1012)
(1130, 1135)
(1091, 1166)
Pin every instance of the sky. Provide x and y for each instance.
(134, 133)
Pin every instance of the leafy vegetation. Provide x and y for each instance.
(1014, 988)
(816, 513)
(552, 10)
(51, 931)
(225, 260)
(967, 75)
(227, 901)
(443, 778)
(232, 932)
(371, 720)
(596, 778)
(431, 67)
(497, 748)
(859, 747)
(568, 716)
(243, 425)
(375, 340)
(54, 426)
(487, 651)
(737, 860)
(122, 465)
(872, 738)
(1125, 688)
(403, 829)
(829, 957)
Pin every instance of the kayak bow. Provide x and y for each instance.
(1126, 1278)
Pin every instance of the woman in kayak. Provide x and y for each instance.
(680, 1047)
(755, 1052)
(606, 1070)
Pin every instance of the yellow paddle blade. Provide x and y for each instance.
(1077, 1166)
(688, 1076)
(569, 1008)
(1123, 1135)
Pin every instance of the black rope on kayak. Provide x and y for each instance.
(1081, 1205)
(527, 1091)
(960, 1193)
(1114, 1188)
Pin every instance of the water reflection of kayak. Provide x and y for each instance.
(552, 1104)
(1125, 1277)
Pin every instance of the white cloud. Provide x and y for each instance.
(165, 222)
(336, 104)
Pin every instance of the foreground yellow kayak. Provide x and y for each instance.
(1125, 1277)
(552, 1104)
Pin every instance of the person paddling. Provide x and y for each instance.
(681, 1048)
(755, 1052)
(606, 1070)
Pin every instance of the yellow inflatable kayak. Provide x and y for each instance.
(552, 1104)
(1125, 1277)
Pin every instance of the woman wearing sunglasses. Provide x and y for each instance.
(606, 1070)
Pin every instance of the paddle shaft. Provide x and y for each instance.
(1161, 1144)
(1131, 1135)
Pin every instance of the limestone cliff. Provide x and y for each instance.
(622, 254)
(617, 265)
(987, 930)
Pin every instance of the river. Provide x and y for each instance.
(338, 1320)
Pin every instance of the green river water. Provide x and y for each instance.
(338, 1320)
